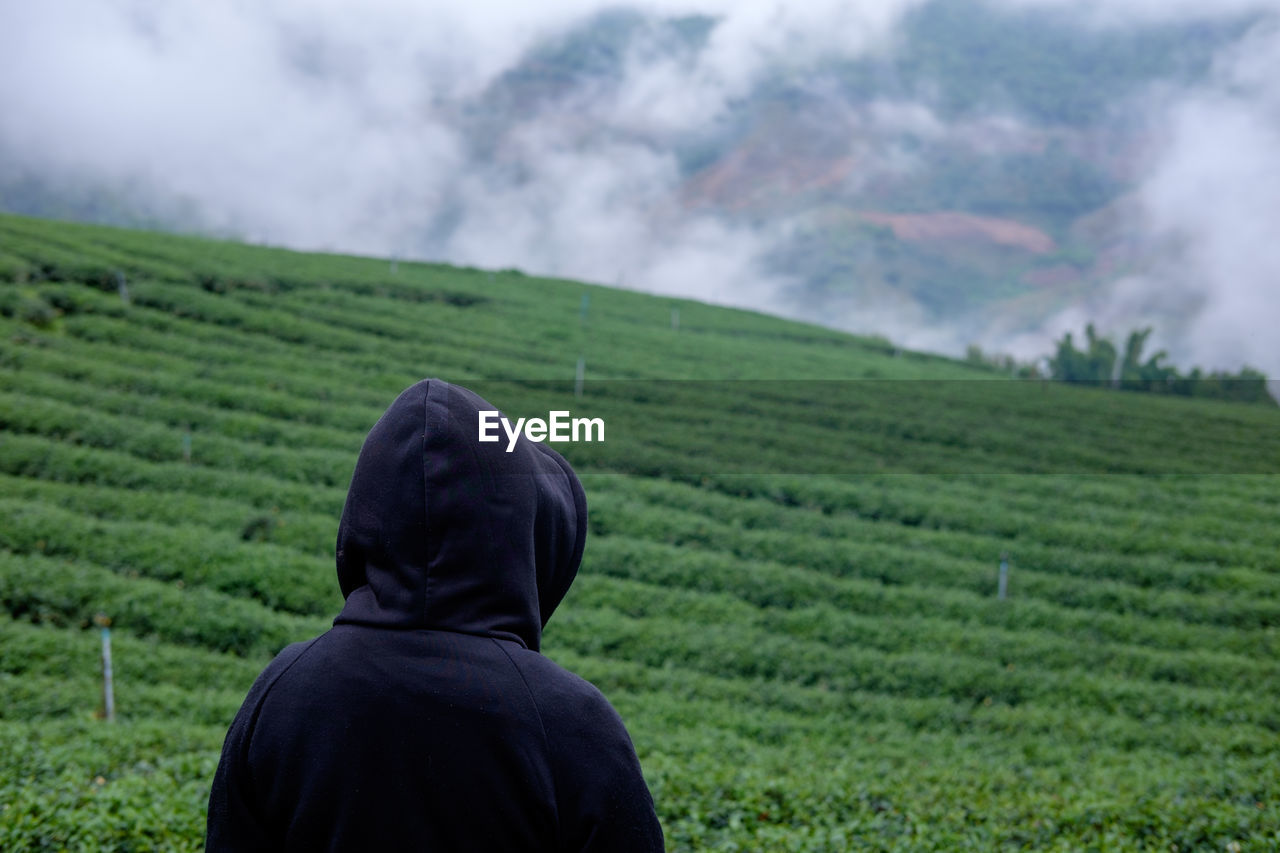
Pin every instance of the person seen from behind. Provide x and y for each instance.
(426, 718)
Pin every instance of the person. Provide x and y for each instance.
(426, 717)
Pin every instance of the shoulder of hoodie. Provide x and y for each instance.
(562, 697)
(274, 671)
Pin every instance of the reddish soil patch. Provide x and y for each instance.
(752, 176)
(963, 227)
(1052, 276)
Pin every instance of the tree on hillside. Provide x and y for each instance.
(1097, 364)
(1151, 375)
(1130, 368)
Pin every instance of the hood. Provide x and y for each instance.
(444, 532)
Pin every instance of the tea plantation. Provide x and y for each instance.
(790, 591)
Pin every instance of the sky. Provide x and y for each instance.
(332, 125)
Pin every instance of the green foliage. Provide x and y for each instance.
(789, 589)
(79, 785)
(1000, 363)
(1097, 365)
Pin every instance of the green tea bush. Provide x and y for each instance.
(796, 616)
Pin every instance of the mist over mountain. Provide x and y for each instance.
(943, 172)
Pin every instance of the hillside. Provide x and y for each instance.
(789, 591)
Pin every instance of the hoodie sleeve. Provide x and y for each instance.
(601, 796)
(235, 821)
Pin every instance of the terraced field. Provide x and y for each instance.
(790, 591)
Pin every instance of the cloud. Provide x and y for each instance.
(322, 125)
(603, 214)
(217, 104)
(757, 35)
(1206, 210)
(327, 124)
(1137, 12)
(1216, 193)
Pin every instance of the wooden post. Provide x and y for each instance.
(122, 287)
(580, 376)
(108, 687)
(1003, 592)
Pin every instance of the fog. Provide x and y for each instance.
(1210, 202)
(354, 127)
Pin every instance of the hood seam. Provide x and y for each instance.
(428, 581)
(542, 726)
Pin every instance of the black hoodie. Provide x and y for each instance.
(426, 719)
